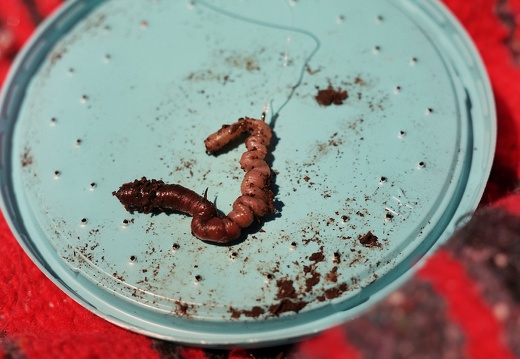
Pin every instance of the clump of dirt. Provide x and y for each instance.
(286, 305)
(330, 96)
(285, 289)
(255, 312)
(369, 240)
(317, 257)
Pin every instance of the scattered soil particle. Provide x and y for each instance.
(332, 276)
(317, 257)
(27, 158)
(285, 289)
(286, 305)
(57, 55)
(311, 71)
(312, 281)
(359, 81)
(369, 240)
(182, 309)
(255, 312)
(119, 277)
(335, 292)
(331, 96)
(245, 62)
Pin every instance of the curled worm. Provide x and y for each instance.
(255, 201)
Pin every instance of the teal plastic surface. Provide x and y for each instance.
(110, 91)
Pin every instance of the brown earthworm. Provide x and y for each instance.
(207, 224)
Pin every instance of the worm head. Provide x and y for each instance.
(137, 195)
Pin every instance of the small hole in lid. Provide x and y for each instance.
(133, 258)
(340, 19)
(269, 276)
(421, 164)
(176, 246)
(125, 222)
(53, 121)
(383, 179)
(428, 111)
(78, 142)
(379, 19)
(413, 61)
(402, 133)
(198, 277)
(84, 220)
(376, 49)
(84, 99)
(57, 174)
(93, 185)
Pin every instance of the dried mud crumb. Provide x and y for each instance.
(359, 81)
(285, 289)
(332, 276)
(255, 312)
(331, 96)
(334, 292)
(369, 240)
(286, 305)
(182, 309)
(312, 281)
(317, 257)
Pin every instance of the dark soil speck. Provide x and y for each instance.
(331, 96)
(369, 240)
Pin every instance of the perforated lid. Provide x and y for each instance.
(110, 91)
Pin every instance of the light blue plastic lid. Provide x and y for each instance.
(110, 91)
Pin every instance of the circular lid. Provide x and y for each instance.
(384, 135)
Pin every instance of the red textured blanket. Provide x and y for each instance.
(465, 302)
